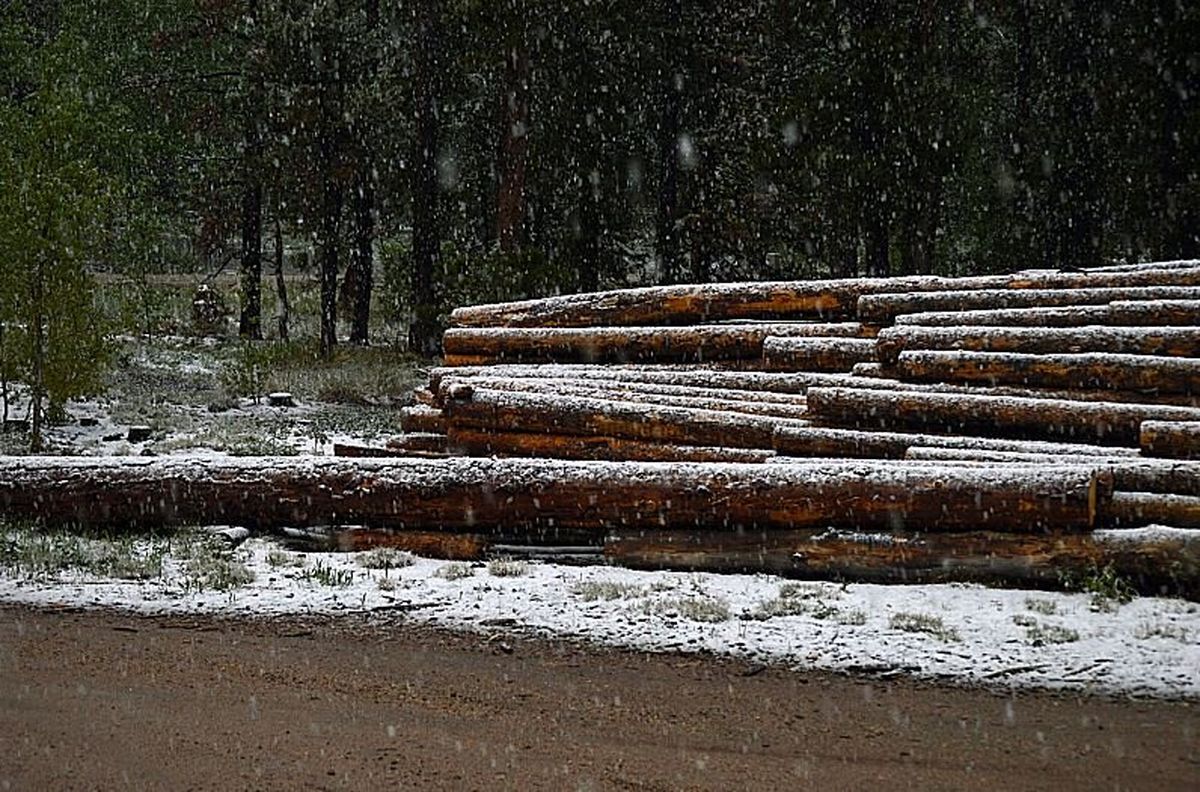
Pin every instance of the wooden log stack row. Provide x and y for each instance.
(1001, 378)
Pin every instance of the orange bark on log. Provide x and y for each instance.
(1171, 439)
(1168, 375)
(1143, 313)
(816, 354)
(474, 442)
(1104, 423)
(819, 441)
(422, 419)
(1168, 341)
(1128, 509)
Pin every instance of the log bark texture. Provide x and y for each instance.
(696, 344)
(694, 304)
(819, 441)
(550, 414)
(816, 354)
(1132, 509)
(1147, 313)
(882, 309)
(1102, 423)
(1168, 375)
(473, 442)
(1166, 341)
(1160, 564)
(422, 419)
(1171, 439)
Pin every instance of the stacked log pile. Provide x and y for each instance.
(1001, 377)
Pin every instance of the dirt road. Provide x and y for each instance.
(100, 701)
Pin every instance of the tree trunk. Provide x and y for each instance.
(423, 331)
(38, 389)
(1174, 439)
(331, 212)
(1148, 313)
(474, 442)
(514, 146)
(250, 321)
(588, 251)
(280, 283)
(819, 441)
(478, 495)
(362, 253)
(816, 354)
(667, 218)
(1165, 341)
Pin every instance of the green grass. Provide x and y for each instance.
(592, 590)
(701, 608)
(30, 552)
(456, 570)
(507, 567)
(923, 623)
(323, 574)
(385, 558)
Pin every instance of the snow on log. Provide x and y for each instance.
(423, 419)
(1131, 509)
(816, 354)
(882, 309)
(574, 415)
(1104, 423)
(1143, 313)
(692, 398)
(494, 495)
(473, 442)
(690, 376)
(1146, 265)
(695, 344)
(698, 303)
(1129, 474)
(1171, 439)
(611, 386)
(1168, 341)
(817, 441)
(1161, 563)
(430, 544)
(1168, 375)
(424, 442)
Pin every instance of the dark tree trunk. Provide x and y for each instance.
(362, 252)
(280, 284)
(38, 391)
(1023, 227)
(423, 332)
(667, 221)
(589, 234)
(514, 146)
(250, 321)
(331, 213)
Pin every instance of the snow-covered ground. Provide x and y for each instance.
(959, 633)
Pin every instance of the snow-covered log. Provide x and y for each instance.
(485, 495)
(1171, 439)
(692, 398)
(1155, 561)
(1148, 373)
(1169, 341)
(1104, 423)
(688, 376)
(816, 354)
(1132, 509)
(421, 418)
(695, 344)
(697, 303)
(934, 453)
(882, 309)
(554, 414)
(819, 441)
(1143, 313)
(475, 442)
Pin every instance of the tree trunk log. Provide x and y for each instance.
(473, 442)
(613, 344)
(1104, 423)
(551, 414)
(1133, 509)
(815, 441)
(882, 309)
(423, 419)
(1171, 439)
(1147, 313)
(477, 495)
(1168, 375)
(693, 304)
(619, 389)
(816, 354)
(1167, 341)
(1163, 565)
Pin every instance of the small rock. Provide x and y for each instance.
(112, 438)
(89, 420)
(281, 399)
(139, 434)
(148, 452)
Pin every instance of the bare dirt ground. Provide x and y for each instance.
(96, 700)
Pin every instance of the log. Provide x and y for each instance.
(882, 309)
(424, 396)
(929, 453)
(1164, 563)
(827, 299)
(358, 451)
(1146, 265)
(1171, 439)
(713, 399)
(550, 414)
(816, 441)
(611, 386)
(418, 442)
(1128, 474)
(505, 496)
(1147, 313)
(1102, 423)
(696, 344)
(1132, 509)
(422, 419)
(430, 544)
(1167, 341)
(472, 442)
(1154, 374)
(816, 354)
(689, 376)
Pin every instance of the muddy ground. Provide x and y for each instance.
(97, 700)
